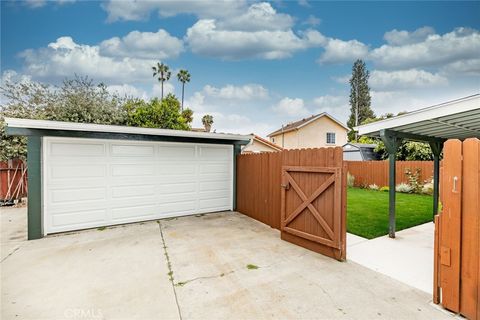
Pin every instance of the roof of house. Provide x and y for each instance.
(361, 145)
(90, 127)
(266, 142)
(300, 123)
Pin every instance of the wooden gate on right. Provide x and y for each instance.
(457, 230)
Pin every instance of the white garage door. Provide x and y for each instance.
(91, 182)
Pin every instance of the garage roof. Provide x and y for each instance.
(457, 119)
(89, 127)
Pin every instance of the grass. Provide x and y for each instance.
(252, 267)
(367, 211)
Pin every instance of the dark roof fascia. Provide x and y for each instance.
(111, 135)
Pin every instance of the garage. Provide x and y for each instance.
(87, 175)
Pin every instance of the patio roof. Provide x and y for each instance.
(457, 119)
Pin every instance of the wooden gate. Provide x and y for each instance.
(457, 230)
(311, 208)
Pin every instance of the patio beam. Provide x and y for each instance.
(437, 148)
(392, 142)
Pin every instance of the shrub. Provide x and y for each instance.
(384, 189)
(373, 187)
(404, 188)
(350, 180)
(428, 188)
(414, 179)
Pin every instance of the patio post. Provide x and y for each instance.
(392, 142)
(437, 147)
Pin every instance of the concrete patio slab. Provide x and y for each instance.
(123, 273)
(407, 258)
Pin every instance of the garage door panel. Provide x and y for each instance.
(77, 194)
(120, 181)
(84, 149)
(129, 191)
(136, 212)
(214, 153)
(78, 219)
(220, 186)
(77, 171)
(179, 152)
(214, 204)
(175, 169)
(136, 170)
(175, 188)
(186, 207)
(131, 150)
(209, 168)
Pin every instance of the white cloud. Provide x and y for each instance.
(63, 58)
(145, 45)
(312, 21)
(205, 38)
(126, 90)
(464, 67)
(34, 4)
(291, 107)
(403, 37)
(245, 92)
(340, 51)
(460, 44)
(337, 106)
(140, 10)
(259, 16)
(404, 79)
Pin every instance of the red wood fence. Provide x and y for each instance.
(13, 180)
(457, 230)
(300, 192)
(376, 172)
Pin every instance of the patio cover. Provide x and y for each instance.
(457, 119)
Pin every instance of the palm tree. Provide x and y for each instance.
(183, 76)
(207, 121)
(163, 73)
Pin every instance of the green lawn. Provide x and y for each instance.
(367, 211)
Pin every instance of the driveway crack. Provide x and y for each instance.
(182, 283)
(14, 250)
(170, 270)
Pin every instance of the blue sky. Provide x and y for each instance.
(254, 65)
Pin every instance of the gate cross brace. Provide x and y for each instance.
(307, 203)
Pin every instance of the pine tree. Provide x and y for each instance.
(359, 97)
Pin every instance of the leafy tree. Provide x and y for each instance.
(359, 97)
(207, 121)
(156, 114)
(163, 72)
(187, 114)
(76, 100)
(183, 76)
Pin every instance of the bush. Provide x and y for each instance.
(373, 187)
(384, 189)
(414, 179)
(404, 188)
(427, 188)
(350, 180)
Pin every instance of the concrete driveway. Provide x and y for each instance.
(216, 266)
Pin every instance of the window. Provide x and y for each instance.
(331, 137)
(273, 139)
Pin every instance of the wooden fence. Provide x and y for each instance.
(457, 230)
(13, 180)
(260, 178)
(376, 172)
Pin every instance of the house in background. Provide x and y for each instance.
(360, 152)
(258, 144)
(321, 130)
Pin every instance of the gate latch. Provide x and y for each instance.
(286, 186)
